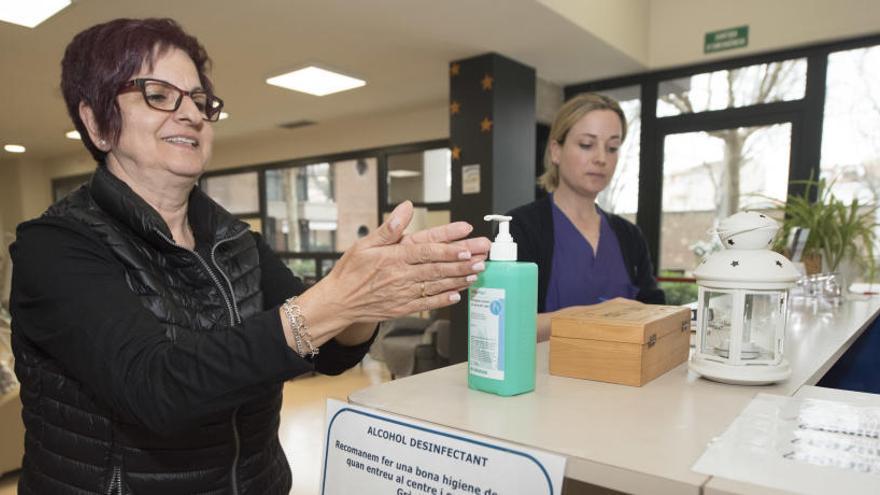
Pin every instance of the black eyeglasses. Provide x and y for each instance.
(167, 97)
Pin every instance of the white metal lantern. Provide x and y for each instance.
(743, 304)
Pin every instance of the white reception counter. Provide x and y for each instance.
(636, 440)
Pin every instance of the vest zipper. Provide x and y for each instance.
(233, 477)
(232, 320)
(221, 272)
(115, 482)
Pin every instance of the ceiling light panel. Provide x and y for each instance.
(315, 81)
(15, 148)
(30, 13)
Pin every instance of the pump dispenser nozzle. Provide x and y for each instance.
(503, 248)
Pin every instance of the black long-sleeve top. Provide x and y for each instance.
(71, 300)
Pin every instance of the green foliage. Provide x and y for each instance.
(837, 230)
(678, 293)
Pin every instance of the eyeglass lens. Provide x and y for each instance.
(165, 97)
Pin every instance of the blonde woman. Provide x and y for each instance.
(584, 254)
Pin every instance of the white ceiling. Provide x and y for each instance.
(401, 47)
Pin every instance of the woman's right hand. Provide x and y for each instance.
(386, 275)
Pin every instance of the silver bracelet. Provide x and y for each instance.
(299, 329)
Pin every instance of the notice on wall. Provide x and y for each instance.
(470, 179)
(372, 452)
(800, 445)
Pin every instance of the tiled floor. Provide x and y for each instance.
(302, 421)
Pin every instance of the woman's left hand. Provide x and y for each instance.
(386, 275)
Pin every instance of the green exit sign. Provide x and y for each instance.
(726, 39)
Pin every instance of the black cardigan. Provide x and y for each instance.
(532, 230)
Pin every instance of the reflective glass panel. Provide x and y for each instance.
(740, 87)
(764, 313)
(238, 193)
(322, 207)
(850, 159)
(421, 177)
(709, 175)
(717, 316)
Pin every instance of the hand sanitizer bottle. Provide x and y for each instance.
(502, 313)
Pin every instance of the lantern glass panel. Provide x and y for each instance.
(764, 313)
(717, 315)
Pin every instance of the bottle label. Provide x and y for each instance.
(487, 332)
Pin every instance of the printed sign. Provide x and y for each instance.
(370, 452)
(470, 179)
(726, 39)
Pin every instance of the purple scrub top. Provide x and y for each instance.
(579, 276)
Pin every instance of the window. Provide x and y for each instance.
(321, 207)
(850, 148)
(237, 192)
(425, 178)
(739, 87)
(421, 177)
(709, 175)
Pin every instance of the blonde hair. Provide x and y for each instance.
(571, 112)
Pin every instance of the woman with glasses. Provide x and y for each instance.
(584, 254)
(152, 330)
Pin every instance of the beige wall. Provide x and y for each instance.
(24, 191)
(678, 27)
(422, 123)
(667, 33)
(620, 23)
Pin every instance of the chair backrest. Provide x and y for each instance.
(442, 337)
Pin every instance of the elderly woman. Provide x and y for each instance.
(153, 330)
(584, 254)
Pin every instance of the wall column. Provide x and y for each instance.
(492, 127)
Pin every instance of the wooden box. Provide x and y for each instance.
(619, 341)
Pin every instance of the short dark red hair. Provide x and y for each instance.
(99, 60)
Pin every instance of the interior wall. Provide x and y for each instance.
(422, 123)
(621, 23)
(678, 27)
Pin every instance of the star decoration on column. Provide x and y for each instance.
(456, 153)
(454, 69)
(487, 82)
(454, 107)
(734, 263)
(486, 124)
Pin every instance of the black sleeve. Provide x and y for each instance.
(532, 244)
(649, 292)
(71, 301)
(524, 238)
(278, 284)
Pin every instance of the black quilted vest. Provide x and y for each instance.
(75, 444)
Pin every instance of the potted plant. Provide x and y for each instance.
(839, 232)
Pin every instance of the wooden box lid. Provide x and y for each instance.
(620, 320)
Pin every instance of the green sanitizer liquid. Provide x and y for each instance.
(502, 313)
